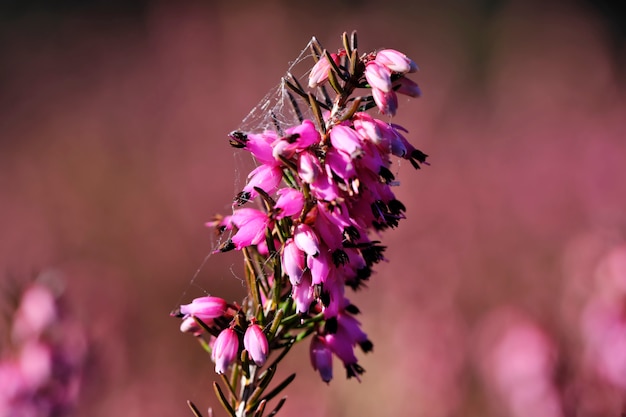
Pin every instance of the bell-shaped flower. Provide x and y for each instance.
(378, 76)
(289, 204)
(293, 262)
(345, 139)
(395, 61)
(260, 145)
(255, 342)
(321, 357)
(225, 350)
(407, 87)
(251, 224)
(306, 239)
(306, 134)
(353, 328)
(265, 177)
(303, 294)
(319, 72)
(387, 102)
(309, 167)
(205, 308)
(320, 265)
(341, 165)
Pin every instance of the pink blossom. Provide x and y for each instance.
(395, 61)
(321, 358)
(290, 203)
(306, 134)
(302, 293)
(378, 76)
(319, 72)
(265, 177)
(387, 102)
(205, 308)
(260, 145)
(309, 167)
(36, 312)
(346, 140)
(407, 87)
(306, 239)
(225, 350)
(293, 262)
(341, 345)
(251, 224)
(255, 342)
(320, 265)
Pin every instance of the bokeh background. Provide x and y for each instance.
(504, 290)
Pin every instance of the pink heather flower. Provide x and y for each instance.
(387, 102)
(302, 293)
(36, 312)
(293, 262)
(334, 289)
(320, 265)
(319, 72)
(225, 350)
(251, 224)
(346, 140)
(260, 145)
(353, 328)
(407, 87)
(255, 342)
(378, 76)
(321, 358)
(290, 203)
(265, 177)
(341, 165)
(306, 239)
(341, 345)
(205, 308)
(395, 61)
(189, 325)
(325, 188)
(309, 167)
(306, 134)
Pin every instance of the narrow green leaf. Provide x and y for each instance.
(194, 409)
(223, 400)
(280, 387)
(278, 407)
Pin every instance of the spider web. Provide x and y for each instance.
(281, 108)
(278, 110)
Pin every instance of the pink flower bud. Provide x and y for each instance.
(205, 308)
(321, 358)
(252, 224)
(256, 344)
(346, 140)
(387, 102)
(319, 72)
(293, 262)
(290, 202)
(395, 61)
(378, 76)
(309, 168)
(407, 87)
(225, 350)
(306, 239)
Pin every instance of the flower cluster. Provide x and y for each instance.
(41, 375)
(324, 188)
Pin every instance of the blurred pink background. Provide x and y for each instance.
(113, 154)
